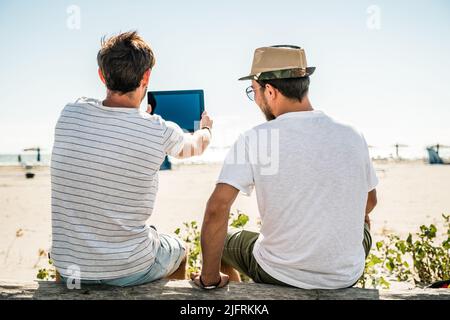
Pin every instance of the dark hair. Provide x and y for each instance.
(123, 59)
(151, 101)
(292, 88)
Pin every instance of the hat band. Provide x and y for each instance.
(282, 74)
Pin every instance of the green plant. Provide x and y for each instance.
(47, 273)
(422, 261)
(191, 235)
(238, 220)
(385, 260)
(431, 262)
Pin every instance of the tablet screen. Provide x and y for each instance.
(183, 107)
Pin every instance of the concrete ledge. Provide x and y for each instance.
(186, 290)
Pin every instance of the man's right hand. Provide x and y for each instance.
(206, 121)
(197, 142)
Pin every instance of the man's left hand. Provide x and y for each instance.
(224, 279)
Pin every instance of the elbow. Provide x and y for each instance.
(374, 202)
(373, 198)
(216, 211)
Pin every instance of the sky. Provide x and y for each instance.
(381, 66)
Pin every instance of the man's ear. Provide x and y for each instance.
(271, 92)
(100, 74)
(146, 78)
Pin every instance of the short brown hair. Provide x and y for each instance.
(292, 88)
(123, 59)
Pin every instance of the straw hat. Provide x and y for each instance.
(279, 62)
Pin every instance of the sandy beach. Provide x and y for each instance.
(410, 193)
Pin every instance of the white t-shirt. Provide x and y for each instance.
(312, 176)
(104, 175)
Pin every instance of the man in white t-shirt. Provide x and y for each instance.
(314, 182)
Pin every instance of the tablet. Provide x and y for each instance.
(184, 107)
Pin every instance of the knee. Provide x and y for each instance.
(185, 250)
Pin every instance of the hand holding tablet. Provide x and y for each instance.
(206, 122)
(184, 107)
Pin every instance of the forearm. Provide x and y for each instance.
(195, 144)
(203, 138)
(213, 236)
(369, 208)
(371, 201)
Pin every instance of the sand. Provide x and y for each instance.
(409, 194)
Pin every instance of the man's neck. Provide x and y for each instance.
(297, 106)
(127, 100)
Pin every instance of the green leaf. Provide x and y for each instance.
(384, 283)
(379, 245)
(409, 239)
(240, 221)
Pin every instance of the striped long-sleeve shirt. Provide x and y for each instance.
(104, 177)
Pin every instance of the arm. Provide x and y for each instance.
(197, 142)
(214, 230)
(371, 203)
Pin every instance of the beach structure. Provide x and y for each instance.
(166, 165)
(38, 149)
(28, 166)
(433, 154)
(397, 147)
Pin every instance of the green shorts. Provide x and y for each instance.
(238, 253)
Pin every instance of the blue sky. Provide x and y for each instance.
(392, 83)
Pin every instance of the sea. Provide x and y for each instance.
(216, 155)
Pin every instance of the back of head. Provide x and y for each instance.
(291, 87)
(284, 67)
(123, 59)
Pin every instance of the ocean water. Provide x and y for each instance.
(216, 154)
(29, 158)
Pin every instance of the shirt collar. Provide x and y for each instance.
(302, 114)
(99, 104)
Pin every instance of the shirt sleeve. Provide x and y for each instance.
(372, 179)
(173, 138)
(237, 170)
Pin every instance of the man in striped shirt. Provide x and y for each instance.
(104, 174)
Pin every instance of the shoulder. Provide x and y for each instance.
(81, 103)
(346, 129)
(167, 127)
(258, 128)
(249, 138)
(84, 101)
(153, 118)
